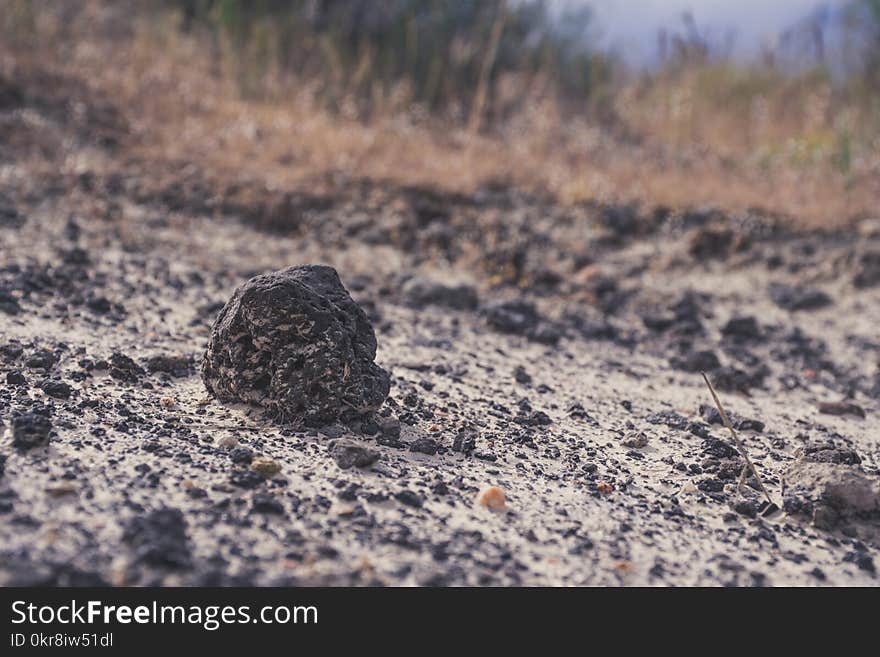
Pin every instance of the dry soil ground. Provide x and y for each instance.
(553, 351)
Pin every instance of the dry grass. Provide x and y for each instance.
(683, 142)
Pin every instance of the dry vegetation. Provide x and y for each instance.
(693, 134)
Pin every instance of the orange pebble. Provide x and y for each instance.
(605, 488)
(491, 497)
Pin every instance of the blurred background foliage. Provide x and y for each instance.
(447, 58)
(802, 115)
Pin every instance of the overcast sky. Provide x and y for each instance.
(631, 26)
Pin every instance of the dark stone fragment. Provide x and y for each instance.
(465, 442)
(424, 446)
(733, 379)
(42, 359)
(533, 419)
(521, 376)
(712, 416)
(348, 453)
(294, 342)
(123, 368)
(420, 292)
(57, 389)
(829, 453)
(696, 361)
(390, 428)
(865, 562)
(793, 297)
(178, 366)
(868, 272)
(520, 317)
(30, 429)
(699, 429)
(159, 539)
(241, 455)
(742, 328)
(748, 508)
(245, 479)
(267, 503)
(841, 408)
(98, 304)
(711, 485)
(9, 303)
(15, 378)
(409, 498)
(710, 242)
(669, 418)
(719, 448)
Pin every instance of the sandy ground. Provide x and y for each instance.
(587, 414)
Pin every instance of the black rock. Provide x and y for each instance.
(733, 379)
(465, 442)
(8, 303)
(521, 375)
(520, 317)
(57, 389)
(267, 503)
(696, 361)
(159, 539)
(711, 485)
(348, 453)
(389, 428)
(241, 455)
(719, 448)
(868, 273)
(421, 292)
(841, 408)
(42, 359)
(710, 242)
(30, 430)
(178, 366)
(294, 342)
(748, 508)
(409, 498)
(830, 453)
(424, 446)
(669, 418)
(742, 328)
(533, 419)
(15, 378)
(123, 368)
(712, 416)
(793, 297)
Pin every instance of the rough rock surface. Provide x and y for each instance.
(296, 343)
(348, 454)
(828, 485)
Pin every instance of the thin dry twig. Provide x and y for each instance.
(739, 445)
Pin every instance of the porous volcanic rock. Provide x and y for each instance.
(294, 342)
